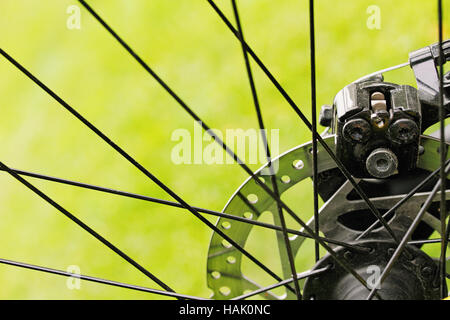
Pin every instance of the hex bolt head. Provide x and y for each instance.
(382, 163)
(357, 130)
(403, 131)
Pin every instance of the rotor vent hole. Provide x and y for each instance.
(285, 179)
(216, 275)
(360, 220)
(252, 198)
(298, 164)
(231, 260)
(226, 225)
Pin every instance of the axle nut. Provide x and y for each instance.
(382, 163)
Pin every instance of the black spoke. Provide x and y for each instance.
(267, 150)
(398, 251)
(307, 231)
(299, 276)
(138, 165)
(426, 241)
(183, 104)
(278, 86)
(229, 151)
(86, 227)
(177, 205)
(314, 121)
(97, 280)
(220, 142)
(443, 155)
(447, 237)
(235, 157)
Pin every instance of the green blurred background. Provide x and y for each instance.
(187, 44)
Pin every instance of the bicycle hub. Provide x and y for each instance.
(415, 275)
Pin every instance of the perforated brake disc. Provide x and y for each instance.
(224, 265)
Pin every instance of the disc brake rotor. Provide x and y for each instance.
(224, 266)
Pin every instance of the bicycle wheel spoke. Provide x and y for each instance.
(426, 241)
(141, 168)
(178, 99)
(277, 85)
(217, 139)
(205, 127)
(279, 226)
(299, 276)
(97, 280)
(407, 236)
(267, 150)
(177, 205)
(314, 122)
(447, 235)
(241, 163)
(86, 227)
(443, 154)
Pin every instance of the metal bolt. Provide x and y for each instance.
(382, 163)
(357, 130)
(403, 131)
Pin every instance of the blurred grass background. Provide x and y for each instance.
(187, 44)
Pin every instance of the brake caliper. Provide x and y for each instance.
(377, 126)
